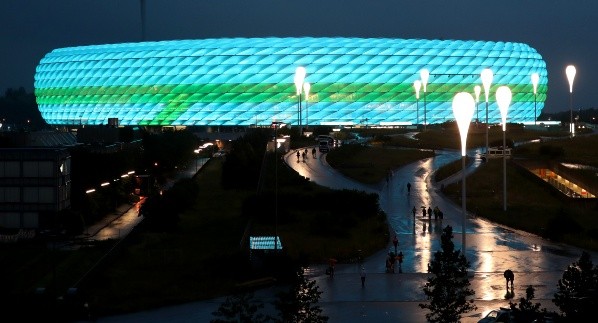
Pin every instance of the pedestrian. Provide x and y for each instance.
(313, 152)
(395, 242)
(436, 211)
(424, 211)
(414, 211)
(510, 277)
(298, 154)
(303, 154)
(400, 259)
(331, 264)
(362, 274)
(408, 187)
(430, 212)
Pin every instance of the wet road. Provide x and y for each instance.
(490, 248)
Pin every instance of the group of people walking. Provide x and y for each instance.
(429, 212)
(304, 154)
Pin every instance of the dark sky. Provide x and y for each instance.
(562, 31)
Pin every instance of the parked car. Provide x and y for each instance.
(323, 146)
(502, 315)
(219, 153)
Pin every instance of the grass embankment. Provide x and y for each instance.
(203, 257)
(532, 205)
(370, 165)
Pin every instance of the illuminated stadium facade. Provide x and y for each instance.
(245, 81)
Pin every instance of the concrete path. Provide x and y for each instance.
(490, 248)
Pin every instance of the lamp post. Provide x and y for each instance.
(275, 124)
(503, 99)
(477, 90)
(306, 88)
(417, 86)
(487, 77)
(298, 80)
(463, 106)
(424, 74)
(535, 81)
(571, 71)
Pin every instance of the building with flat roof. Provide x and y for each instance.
(249, 81)
(35, 183)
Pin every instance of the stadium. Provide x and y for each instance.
(249, 81)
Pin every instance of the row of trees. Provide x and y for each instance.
(449, 295)
(298, 304)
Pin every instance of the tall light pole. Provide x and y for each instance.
(276, 124)
(298, 80)
(487, 77)
(424, 74)
(306, 88)
(571, 71)
(535, 81)
(463, 106)
(477, 90)
(417, 86)
(503, 99)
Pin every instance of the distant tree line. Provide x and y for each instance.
(17, 106)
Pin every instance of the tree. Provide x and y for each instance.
(577, 296)
(239, 308)
(447, 290)
(300, 303)
(527, 311)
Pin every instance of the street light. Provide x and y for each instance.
(298, 80)
(571, 71)
(306, 88)
(417, 85)
(487, 77)
(503, 99)
(477, 90)
(276, 124)
(463, 106)
(535, 81)
(424, 74)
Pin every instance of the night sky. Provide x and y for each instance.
(562, 31)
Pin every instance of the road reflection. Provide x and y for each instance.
(121, 226)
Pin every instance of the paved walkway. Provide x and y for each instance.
(490, 248)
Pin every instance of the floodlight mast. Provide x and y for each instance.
(487, 77)
(298, 80)
(503, 99)
(417, 86)
(571, 71)
(477, 90)
(463, 106)
(424, 74)
(535, 80)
